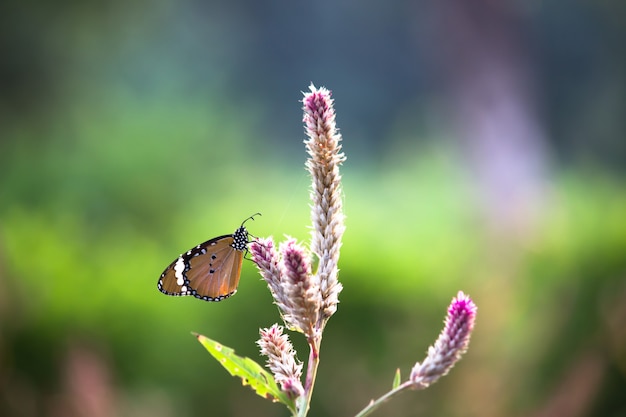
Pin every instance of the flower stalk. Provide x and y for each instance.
(451, 344)
(307, 299)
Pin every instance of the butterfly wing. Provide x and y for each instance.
(209, 271)
(215, 275)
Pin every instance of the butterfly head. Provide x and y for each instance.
(241, 239)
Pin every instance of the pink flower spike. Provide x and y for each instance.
(301, 288)
(281, 360)
(325, 157)
(451, 344)
(297, 264)
(267, 260)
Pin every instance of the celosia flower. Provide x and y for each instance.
(300, 288)
(281, 360)
(267, 260)
(307, 300)
(325, 156)
(450, 345)
(294, 288)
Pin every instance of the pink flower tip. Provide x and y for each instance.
(463, 305)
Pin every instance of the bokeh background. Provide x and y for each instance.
(486, 153)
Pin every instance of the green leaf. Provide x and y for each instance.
(396, 379)
(250, 372)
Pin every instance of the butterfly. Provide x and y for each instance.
(209, 271)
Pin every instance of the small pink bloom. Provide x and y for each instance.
(451, 344)
(281, 360)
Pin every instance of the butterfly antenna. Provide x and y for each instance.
(250, 218)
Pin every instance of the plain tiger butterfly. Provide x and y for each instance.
(209, 271)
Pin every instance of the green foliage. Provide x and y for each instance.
(250, 372)
(396, 379)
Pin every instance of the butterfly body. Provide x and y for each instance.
(209, 271)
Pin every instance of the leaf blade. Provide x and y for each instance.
(396, 379)
(250, 372)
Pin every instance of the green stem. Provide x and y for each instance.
(304, 402)
(375, 404)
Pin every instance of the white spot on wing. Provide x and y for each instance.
(179, 268)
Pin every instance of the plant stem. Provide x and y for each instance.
(311, 373)
(375, 404)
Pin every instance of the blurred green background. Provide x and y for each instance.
(486, 153)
